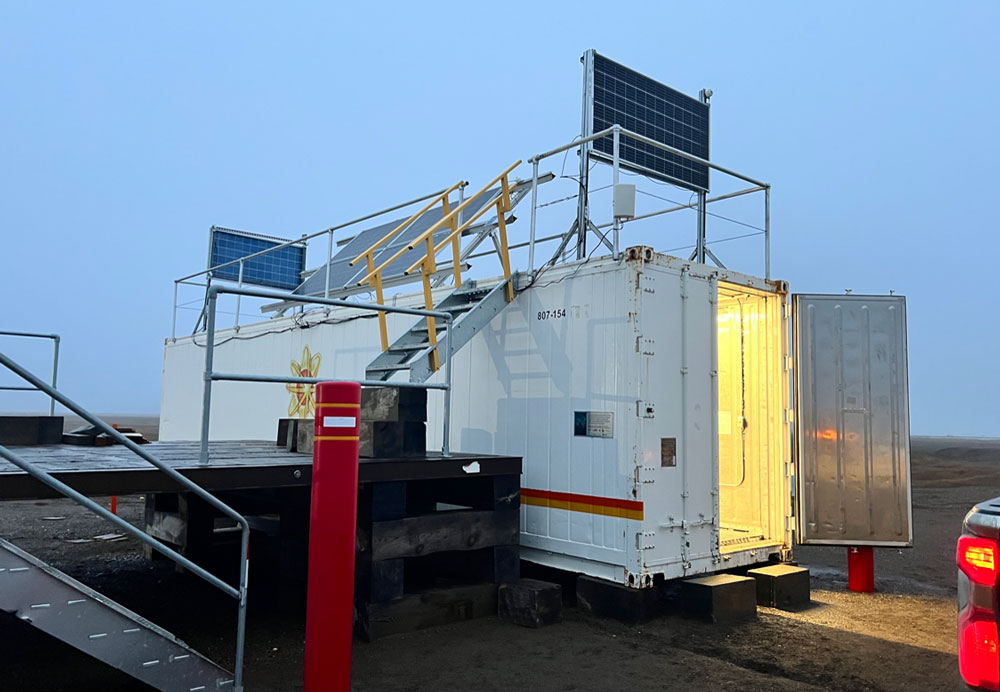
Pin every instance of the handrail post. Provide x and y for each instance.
(55, 372)
(236, 324)
(383, 329)
(456, 246)
(241, 613)
(767, 232)
(329, 258)
(534, 210)
(427, 269)
(173, 319)
(616, 223)
(502, 205)
(445, 443)
(206, 402)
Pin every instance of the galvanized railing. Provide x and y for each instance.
(240, 594)
(616, 132)
(211, 375)
(428, 263)
(187, 280)
(55, 364)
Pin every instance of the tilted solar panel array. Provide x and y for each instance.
(623, 96)
(342, 275)
(280, 268)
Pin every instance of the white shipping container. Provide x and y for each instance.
(651, 400)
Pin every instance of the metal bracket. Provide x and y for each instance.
(645, 409)
(644, 346)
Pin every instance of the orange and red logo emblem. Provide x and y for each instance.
(303, 402)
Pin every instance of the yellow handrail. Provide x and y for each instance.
(369, 255)
(428, 263)
(393, 233)
(502, 204)
(444, 220)
(454, 234)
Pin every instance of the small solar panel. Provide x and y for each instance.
(622, 96)
(343, 275)
(280, 268)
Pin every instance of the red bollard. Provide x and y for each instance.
(332, 525)
(861, 569)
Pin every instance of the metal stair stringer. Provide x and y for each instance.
(473, 309)
(62, 607)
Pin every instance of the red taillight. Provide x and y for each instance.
(977, 557)
(978, 654)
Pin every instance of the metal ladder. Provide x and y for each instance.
(472, 308)
(57, 604)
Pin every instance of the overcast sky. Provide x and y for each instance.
(127, 129)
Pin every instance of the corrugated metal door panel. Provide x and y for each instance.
(681, 489)
(852, 420)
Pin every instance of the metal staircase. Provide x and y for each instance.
(62, 607)
(57, 604)
(472, 308)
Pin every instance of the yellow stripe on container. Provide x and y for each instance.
(583, 507)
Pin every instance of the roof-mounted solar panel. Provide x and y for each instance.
(618, 95)
(343, 275)
(281, 268)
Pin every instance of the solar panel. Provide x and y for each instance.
(281, 268)
(343, 275)
(622, 96)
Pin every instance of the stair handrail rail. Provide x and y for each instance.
(369, 254)
(428, 262)
(240, 594)
(441, 222)
(501, 205)
(56, 340)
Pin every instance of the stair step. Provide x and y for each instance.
(387, 368)
(408, 348)
(458, 309)
(62, 607)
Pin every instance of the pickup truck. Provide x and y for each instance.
(978, 613)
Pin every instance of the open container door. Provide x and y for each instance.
(852, 420)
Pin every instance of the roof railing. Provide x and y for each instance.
(56, 339)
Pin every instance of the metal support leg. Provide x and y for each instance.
(534, 210)
(767, 232)
(206, 402)
(700, 257)
(236, 324)
(616, 226)
(445, 442)
(55, 372)
(173, 319)
(329, 256)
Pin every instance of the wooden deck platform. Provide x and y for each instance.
(233, 465)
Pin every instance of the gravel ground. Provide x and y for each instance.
(901, 638)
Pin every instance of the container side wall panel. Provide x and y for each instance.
(556, 351)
